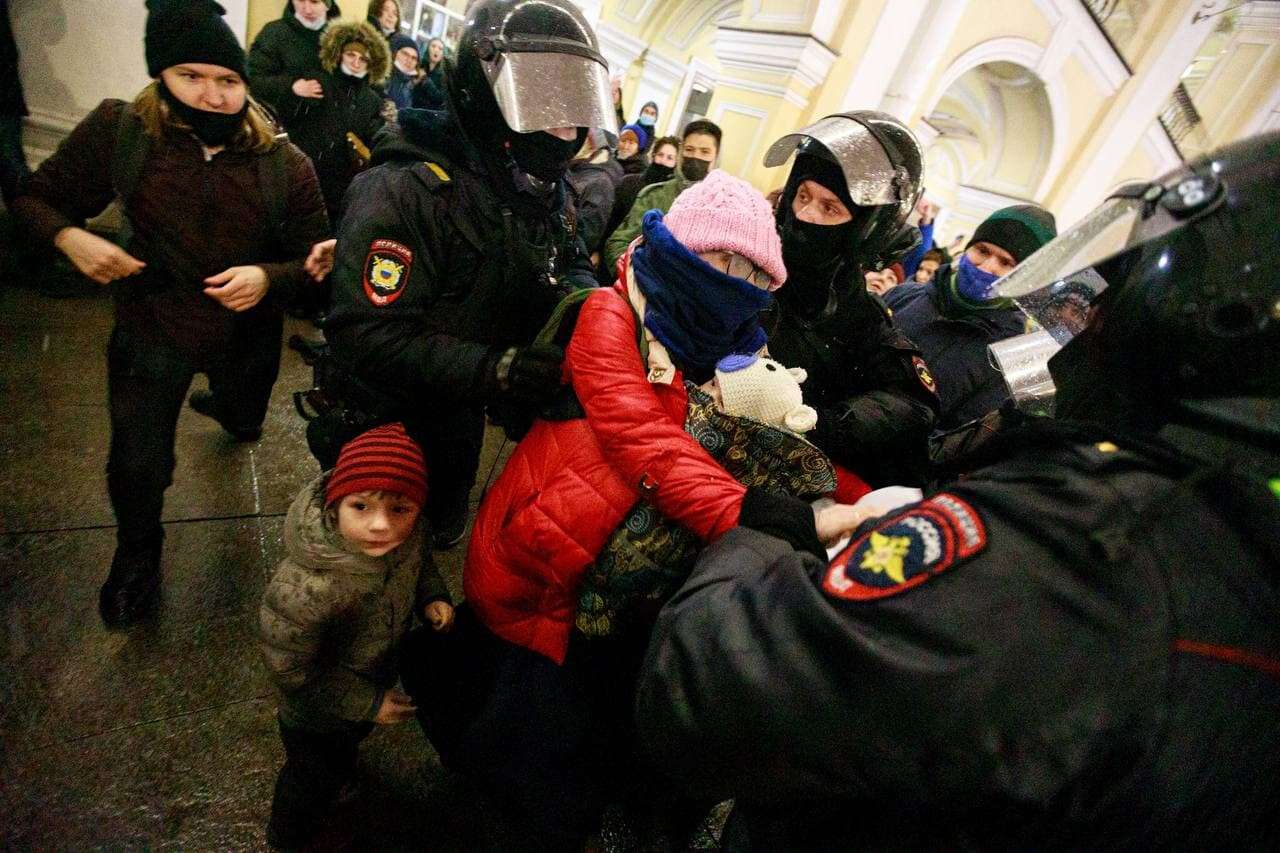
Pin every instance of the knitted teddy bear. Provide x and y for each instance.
(760, 388)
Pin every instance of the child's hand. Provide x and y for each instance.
(439, 615)
(396, 707)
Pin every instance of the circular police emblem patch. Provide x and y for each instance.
(906, 550)
(922, 372)
(386, 271)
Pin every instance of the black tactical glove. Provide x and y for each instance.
(530, 374)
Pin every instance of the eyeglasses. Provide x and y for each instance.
(737, 266)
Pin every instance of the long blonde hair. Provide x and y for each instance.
(257, 133)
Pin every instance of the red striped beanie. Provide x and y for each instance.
(384, 459)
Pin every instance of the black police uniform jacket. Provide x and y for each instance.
(434, 268)
(1076, 647)
(874, 394)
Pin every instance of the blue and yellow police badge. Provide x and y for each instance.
(386, 271)
(906, 550)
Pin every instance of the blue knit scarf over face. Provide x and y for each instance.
(697, 312)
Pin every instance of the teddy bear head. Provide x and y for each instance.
(760, 388)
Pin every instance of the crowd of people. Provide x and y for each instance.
(775, 529)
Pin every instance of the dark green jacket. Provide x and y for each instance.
(655, 196)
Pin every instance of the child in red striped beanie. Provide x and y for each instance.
(357, 570)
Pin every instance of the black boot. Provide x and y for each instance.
(449, 522)
(206, 404)
(131, 587)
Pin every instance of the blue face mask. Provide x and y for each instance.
(646, 121)
(972, 283)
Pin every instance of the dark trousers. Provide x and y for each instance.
(451, 440)
(13, 160)
(316, 766)
(555, 743)
(148, 382)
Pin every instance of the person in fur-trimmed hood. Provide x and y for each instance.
(354, 59)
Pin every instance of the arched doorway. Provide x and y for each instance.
(993, 140)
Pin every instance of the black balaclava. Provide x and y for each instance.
(815, 253)
(544, 156)
(213, 129)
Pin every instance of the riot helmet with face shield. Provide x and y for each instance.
(525, 67)
(1182, 278)
(873, 163)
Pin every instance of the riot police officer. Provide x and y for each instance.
(855, 179)
(1074, 647)
(456, 247)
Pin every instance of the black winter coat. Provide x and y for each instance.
(1075, 648)
(429, 93)
(954, 340)
(283, 52)
(435, 270)
(593, 186)
(349, 106)
(872, 390)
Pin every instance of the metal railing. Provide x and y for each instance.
(1181, 120)
(1119, 21)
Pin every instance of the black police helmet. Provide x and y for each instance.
(1190, 305)
(881, 164)
(529, 65)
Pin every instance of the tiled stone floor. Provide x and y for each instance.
(164, 736)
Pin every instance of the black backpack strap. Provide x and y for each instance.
(128, 156)
(273, 178)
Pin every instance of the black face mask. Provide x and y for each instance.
(544, 156)
(656, 172)
(816, 249)
(694, 169)
(213, 129)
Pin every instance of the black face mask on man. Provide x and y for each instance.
(694, 169)
(544, 156)
(213, 129)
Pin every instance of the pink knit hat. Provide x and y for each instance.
(727, 213)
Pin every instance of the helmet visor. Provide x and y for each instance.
(543, 90)
(868, 173)
(1057, 284)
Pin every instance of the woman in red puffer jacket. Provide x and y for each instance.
(707, 266)
(539, 718)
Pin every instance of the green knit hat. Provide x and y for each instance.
(1020, 230)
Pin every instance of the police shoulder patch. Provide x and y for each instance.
(386, 271)
(923, 374)
(906, 550)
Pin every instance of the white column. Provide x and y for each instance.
(890, 44)
(923, 54)
(1151, 89)
(619, 49)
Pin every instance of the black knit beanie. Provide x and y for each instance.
(1020, 230)
(190, 31)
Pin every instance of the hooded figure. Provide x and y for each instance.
(337, 131)
(875, 398)
(957, 315)
(285, 52)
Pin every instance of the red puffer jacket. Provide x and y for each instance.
(569, 484)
